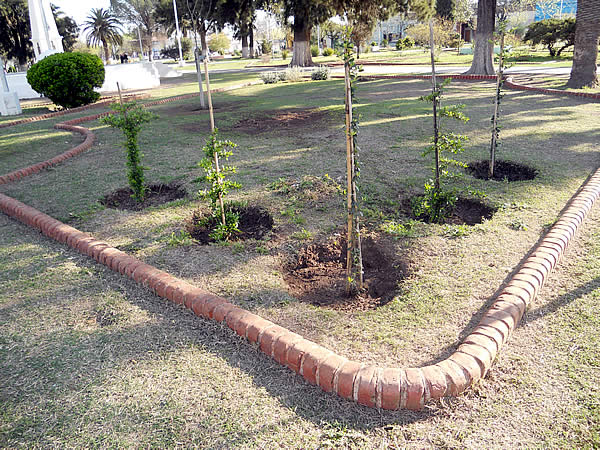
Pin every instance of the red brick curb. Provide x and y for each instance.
(369, 385)
(512, 85)
(69, 111)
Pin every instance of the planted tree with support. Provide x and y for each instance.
(497, 99)
(354, 264)
(437, 203)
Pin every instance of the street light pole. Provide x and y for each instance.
(141, 47)
(178, 34)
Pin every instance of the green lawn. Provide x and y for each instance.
(91, 359)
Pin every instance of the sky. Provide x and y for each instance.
(79, 9)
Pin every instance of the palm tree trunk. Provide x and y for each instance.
(587, 31)
(106, 52)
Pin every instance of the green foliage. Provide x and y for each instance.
(405, 43)
(269, 77)
(219, 186)
(67, 28)
(443, 33)
(384, 43)
(129, 118)
(320, 73)
(219, 43)
(328, 51)
(435, 206)
(103, 28)
(551, 32)
(173, 51)
(518, 225)
(15, 31)
(266, 47)
(303, 235)
(314, 50)
(399, 230)
(68, 79)
(179, 239)
(293, 74)
(285, 54)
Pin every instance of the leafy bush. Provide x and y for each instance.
(269, 77)
(293, 74)
(68, 79)
(129, 118)
(550, 32)
(284, 54)
(328, 51)
(266, 47)
(405, 43)
(435, 206)
(443, 32)
(219, 43)
(314, 50)
(320, 73)
(173, 52)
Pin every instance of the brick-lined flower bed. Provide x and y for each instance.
(370, 385)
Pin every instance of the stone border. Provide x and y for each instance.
(369, 385)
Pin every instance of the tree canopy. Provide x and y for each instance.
(552, 33)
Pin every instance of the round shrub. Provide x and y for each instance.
(314, 50)
(68, 79)
(327, 51)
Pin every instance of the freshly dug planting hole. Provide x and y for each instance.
(466, 211)
(504, 170)
(318, 275)
(156, 194)
(254, 223)
(284, 121)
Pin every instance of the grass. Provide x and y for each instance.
(91, 359)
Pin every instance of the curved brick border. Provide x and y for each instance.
(520, 87)
(369, 385)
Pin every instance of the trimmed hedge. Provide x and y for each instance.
(68, 79)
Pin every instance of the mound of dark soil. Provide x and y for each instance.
(293, 119)
(318, 275)
(467, 211)
(156, 194)
(503, 171)
(255, 223)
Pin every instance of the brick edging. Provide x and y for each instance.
(69, 111)
(369, 385)
(521, 87)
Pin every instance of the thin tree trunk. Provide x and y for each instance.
(301, 50)
(251, 38)
(484, 46)
(436, 131)
(203, 41)
(493, 144)
(587, 31)
(199, 73)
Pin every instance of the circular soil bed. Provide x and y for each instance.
(254, 223)
(504, 171)
(318, 274)
(156, 194)
(466, 211)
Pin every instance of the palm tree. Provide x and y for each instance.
(104, 28)
(587, 32)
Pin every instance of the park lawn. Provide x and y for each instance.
(95, 360)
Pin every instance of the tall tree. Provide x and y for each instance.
(140, 13)
(240, 14)
(587, 32)
(102, 27)
(364, 15)
(15, 31)
(67, 28)
(484, 44)
(445, 9)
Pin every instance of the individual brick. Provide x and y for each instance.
(365, 386)
(327, 369)
(343, 381)
(254, 326)
(297, 352)
(311, 361)
(484, 341)
(390, 386)
(160, 282)
(234, 316)
(282, 344)
(492, 333)
(174, 291)
(481, 354)
(471, 366)
(221, 310)
(212, 301)
(415, 389)
(435, 381)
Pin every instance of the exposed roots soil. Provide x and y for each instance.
(278, 120)
(318, 274)
(503, 171)
(156, 194)
(254, 223)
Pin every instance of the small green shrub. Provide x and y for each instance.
(405, 43)
(320, 73)
(284, 54)
(435, 206)
(129, 118)
(293, 74)
(68, 79)
(328, 51)
(314, 50)
(237, 53)
(384, 43)
(266, 47)
(269, 77)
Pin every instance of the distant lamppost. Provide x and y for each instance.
(178, 34)
(141, 47)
